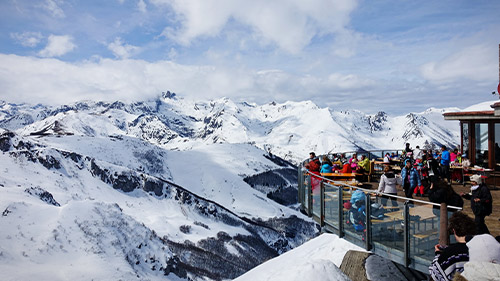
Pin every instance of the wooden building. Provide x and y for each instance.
(480, 135)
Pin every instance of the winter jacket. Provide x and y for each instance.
(433, 167)
(346, 168)
(388, 182)
(365, 164)
(449, 261)
(326, 168)
(313, 165)
(483, 207)
(445, 158)
(484, 248)
(480, 271)
(439, 195)
(453, 156)
(414, 177)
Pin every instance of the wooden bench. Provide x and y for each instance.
(423, 239)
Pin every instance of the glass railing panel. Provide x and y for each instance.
(316, 195)
(387, 222)
(332, 205)
(307, 187)
(424, 233)
(424, 230)
(354, 222)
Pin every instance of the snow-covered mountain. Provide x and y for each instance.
(169, 189)
(289, 130)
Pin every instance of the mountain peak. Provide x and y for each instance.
(168, 95)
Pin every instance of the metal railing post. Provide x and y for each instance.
(341, 212)
(406, 232)
(368, 223)
(300, 187)
(322, 203)
(309, 196)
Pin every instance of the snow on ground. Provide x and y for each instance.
(318, 259)
(215, 171)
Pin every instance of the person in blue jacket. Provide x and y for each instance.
(410, 178)
(326, 166)
(445, 163)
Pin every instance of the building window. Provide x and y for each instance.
(497, 146)
(482, 144)
(465, 138)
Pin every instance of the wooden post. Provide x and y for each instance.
(444, 237)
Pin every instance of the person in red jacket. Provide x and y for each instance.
(313, 167)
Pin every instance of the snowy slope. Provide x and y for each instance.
(73, 202)
(318, 259)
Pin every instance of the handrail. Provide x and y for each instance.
(385, 194)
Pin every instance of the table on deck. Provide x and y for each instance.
(421, 237)
(346, 177)
(340, 175)
(469, 171)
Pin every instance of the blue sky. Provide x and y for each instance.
(394, 56)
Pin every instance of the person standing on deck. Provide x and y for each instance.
(481, 202)
(445, 163)
(417, 153)
(407, 148)
(314, 165)
(387, 185)
(411, 178)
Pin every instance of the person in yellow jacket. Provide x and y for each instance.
(364, 163)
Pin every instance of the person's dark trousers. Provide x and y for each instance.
(445, 172)
(481, 227)
(408, 192)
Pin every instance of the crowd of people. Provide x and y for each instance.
(427, 173)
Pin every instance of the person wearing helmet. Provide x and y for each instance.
(481, 202)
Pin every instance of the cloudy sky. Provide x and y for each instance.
(397, 56)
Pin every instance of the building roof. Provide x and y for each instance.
(471, 115)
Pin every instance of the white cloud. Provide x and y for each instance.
(121, 50)
(58, 46)
(52, 81)
(141, 6)
(349, 82)
(53, 7)
(27, 39)
(473, 62)
(290, 24)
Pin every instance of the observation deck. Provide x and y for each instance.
(405, 232)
